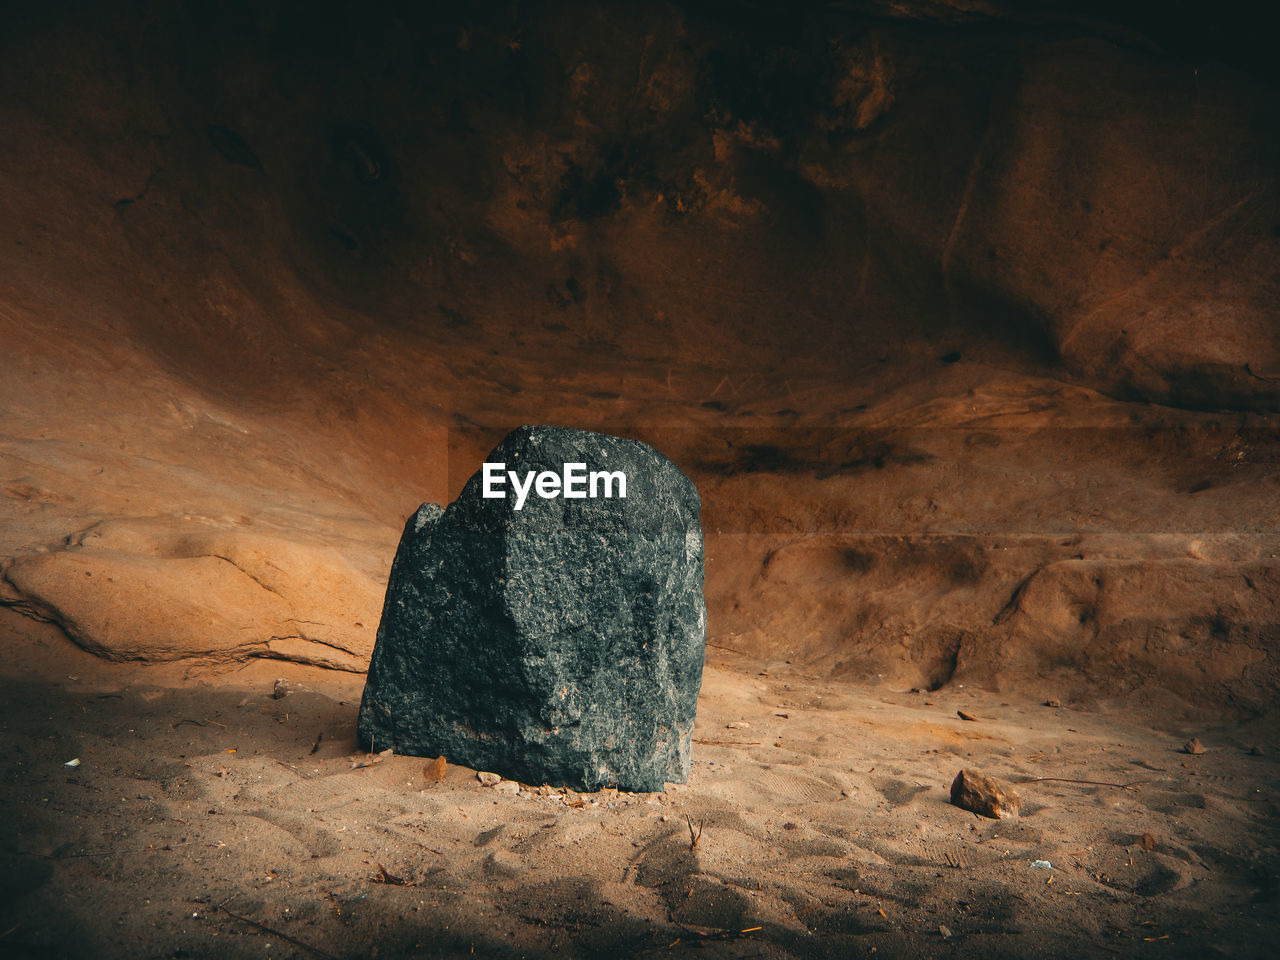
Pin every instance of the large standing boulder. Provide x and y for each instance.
(551, 639)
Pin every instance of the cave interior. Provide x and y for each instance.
(963, 316)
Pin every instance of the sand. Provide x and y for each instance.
(209, 818)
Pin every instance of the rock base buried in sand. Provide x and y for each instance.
(543, 633)
(983, 795)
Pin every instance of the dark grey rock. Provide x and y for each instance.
(561, 643)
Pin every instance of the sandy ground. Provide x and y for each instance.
(207, 818)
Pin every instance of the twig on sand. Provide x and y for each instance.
(81, 853)
(290, 766)
(277, 933)
(701, 935)
(383, 876)
(694, 837)
(199, 723)
(1092, 783)
(358, 762)
(721, 646)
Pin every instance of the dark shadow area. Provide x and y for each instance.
(219, 821)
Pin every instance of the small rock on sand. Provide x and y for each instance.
(1193, 746)
(984, 795)
(436, 770)
(488, 779)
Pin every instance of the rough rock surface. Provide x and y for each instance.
(1199, 625)
(159, 591)
(558, 643)
(983, 795)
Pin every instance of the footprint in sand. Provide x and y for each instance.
(1177, 804)
(815, 847)
(899, 793)
(896, 853)
(783, 786)
(706, 901)
(181, 788)
(245, 831)
(503, 864)
(1145, 874)
(318, 841)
